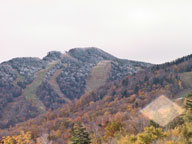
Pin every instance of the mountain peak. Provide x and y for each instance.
(85, 49)
(90, 54)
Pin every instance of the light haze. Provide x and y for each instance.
(153, 31)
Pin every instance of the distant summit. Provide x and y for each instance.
(92, 54)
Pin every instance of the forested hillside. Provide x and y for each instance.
(33, 86)
(111, 114)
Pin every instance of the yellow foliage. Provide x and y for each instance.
(112, 128)
(127, 140)
(149, 135)
(174, 132)
(186, 131)
(180, 84)
(173, 142)
(170, 142)
(23, 138)
(58, 134)
(91, 103)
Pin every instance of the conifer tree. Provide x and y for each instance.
(188, 101)
(79, 135)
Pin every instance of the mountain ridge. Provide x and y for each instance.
(120, 100)
(29, 80)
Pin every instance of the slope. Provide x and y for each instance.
(98, 76)
(35, 86)
(116, 101)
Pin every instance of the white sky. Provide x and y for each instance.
(154, 31)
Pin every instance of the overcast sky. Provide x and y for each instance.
(154, 31)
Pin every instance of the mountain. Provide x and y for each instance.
(32, 86)
(116, 101)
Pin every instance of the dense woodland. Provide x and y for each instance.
(110, 114)
(33, 86)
